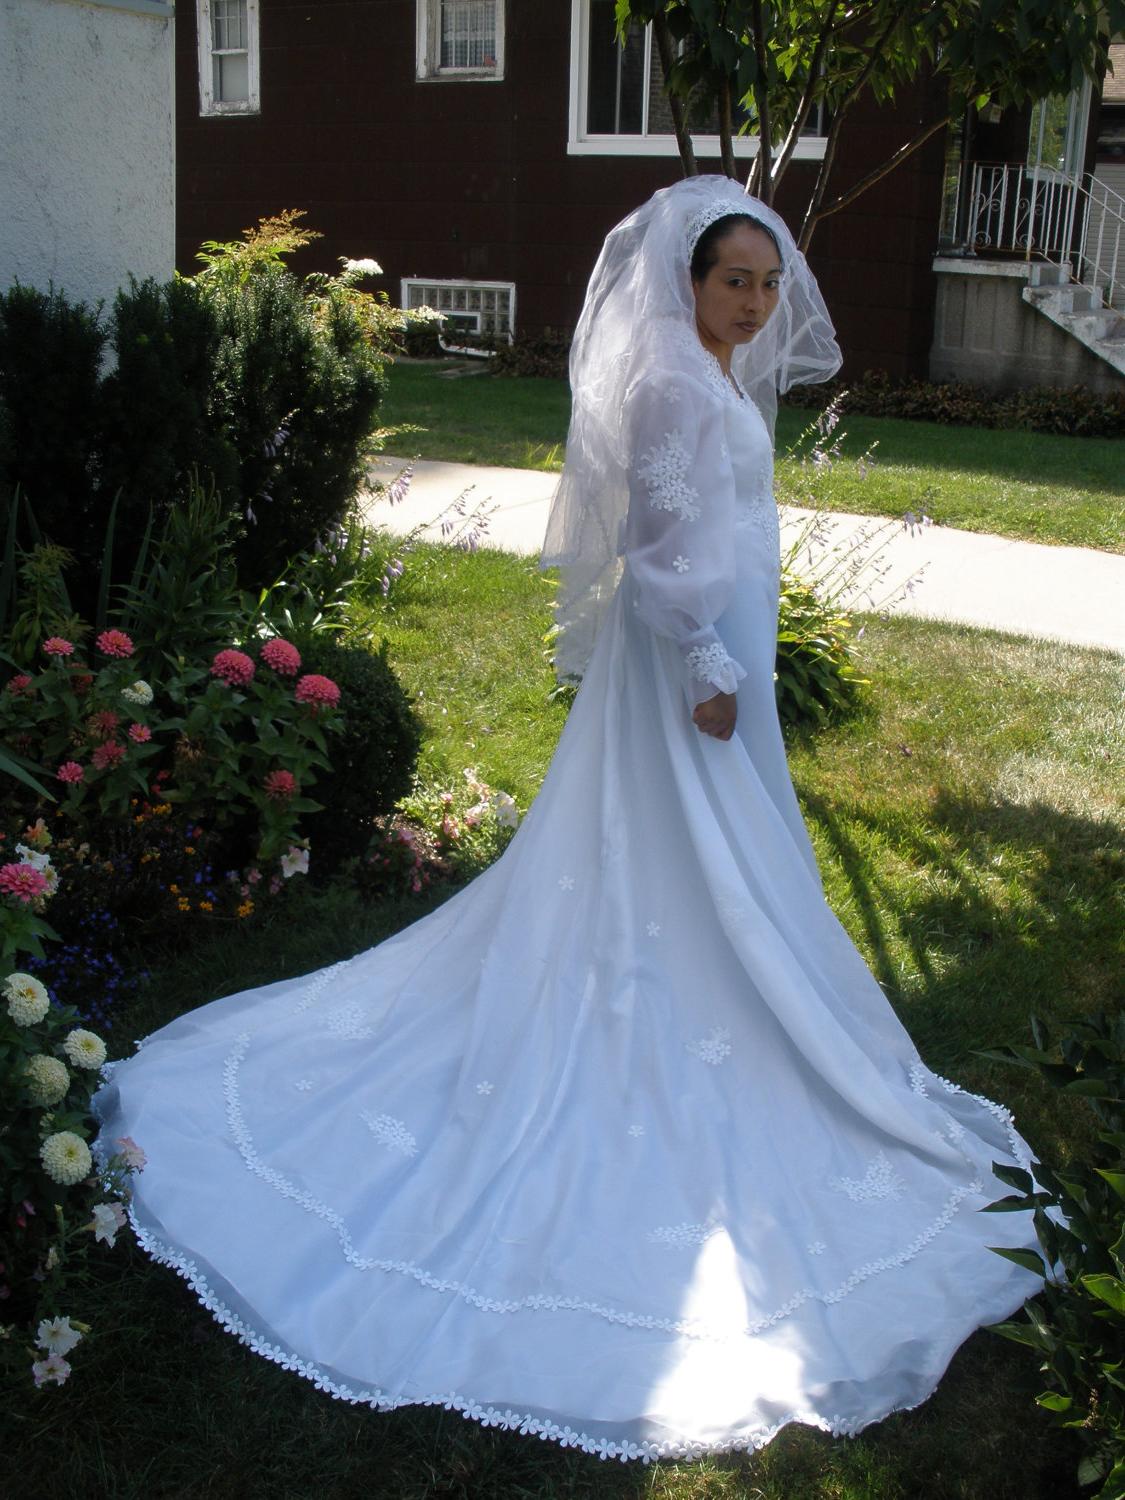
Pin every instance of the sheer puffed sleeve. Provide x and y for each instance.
(680, 528)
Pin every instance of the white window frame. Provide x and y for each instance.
(428, 67)
(471, 285)
(208, 104)
(581, 142)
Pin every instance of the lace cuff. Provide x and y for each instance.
(713, 670)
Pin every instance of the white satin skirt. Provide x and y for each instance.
(622, 1146)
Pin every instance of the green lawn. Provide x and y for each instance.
(969, 824)
(1022, 484)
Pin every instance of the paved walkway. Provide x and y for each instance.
(1073, 594)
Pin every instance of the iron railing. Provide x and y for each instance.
(1072, 221)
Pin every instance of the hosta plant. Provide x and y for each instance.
(1076, 1325)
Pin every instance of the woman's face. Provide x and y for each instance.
(740, 291)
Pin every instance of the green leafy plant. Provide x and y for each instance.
(1076, 1325)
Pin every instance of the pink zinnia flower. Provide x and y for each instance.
(24, 882)
(102, 724)
(280, 784)
(19, 683)
(54, 645)
(106, 756)
(317, 692)
(70, 772)
(284, 658)
(140, 734)
(114, 643)
(234, 667)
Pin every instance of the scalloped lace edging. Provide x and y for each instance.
(541, 1302)
(488, 1416)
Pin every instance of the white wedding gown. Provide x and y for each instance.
(623, 1145)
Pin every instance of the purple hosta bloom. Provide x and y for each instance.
(396, 491)
(915, 522)
(273, 445)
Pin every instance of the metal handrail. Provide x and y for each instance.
(1051, 214)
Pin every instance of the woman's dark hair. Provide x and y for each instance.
(706, 252)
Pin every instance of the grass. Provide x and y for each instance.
(969, 825)
(1034, 486)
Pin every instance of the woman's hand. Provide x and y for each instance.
(717, 716)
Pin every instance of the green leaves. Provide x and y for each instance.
(1077, 1323)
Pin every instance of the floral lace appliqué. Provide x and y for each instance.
(709, 663)
(390, 1132)
(682, 564)
(681, 1236)
(714, 1048)
(347, 1021)
(879, 1181)
(663, 471)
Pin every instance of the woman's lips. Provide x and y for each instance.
(748, 327)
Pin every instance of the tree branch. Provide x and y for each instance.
(880, 172)
(793, 135)
(679, 121)
(726, 132)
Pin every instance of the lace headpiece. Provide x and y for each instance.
(639, 316)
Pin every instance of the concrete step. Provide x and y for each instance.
(1100, 329)
(1042, 273)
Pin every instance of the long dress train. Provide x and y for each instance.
(623, 1145)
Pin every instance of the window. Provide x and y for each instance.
(618, 106)
(460, 39)
(228, 57)
(472, 307)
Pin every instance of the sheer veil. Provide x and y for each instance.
(639, 315)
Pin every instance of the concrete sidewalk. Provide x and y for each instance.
(1072, 594)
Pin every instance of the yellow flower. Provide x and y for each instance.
(206, 906)
(245, 908)
(184, 904)
(188, 849)
(173, 890)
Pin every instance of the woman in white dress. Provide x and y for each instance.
(622, 1146)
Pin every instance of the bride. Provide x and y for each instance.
(623, 1145)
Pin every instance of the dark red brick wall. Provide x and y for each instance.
(473, 179)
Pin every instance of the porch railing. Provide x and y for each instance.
(1075, 222)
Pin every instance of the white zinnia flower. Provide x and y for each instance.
(47, 1079)
(57, 1336)
(54, 1367)
(27, 999)
(84, 1049)
(108, 1219)
(137, 692)
(66, 1158)
(505, 809)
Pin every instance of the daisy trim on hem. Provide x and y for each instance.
(490, 1416)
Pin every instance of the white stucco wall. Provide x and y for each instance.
(87, 150)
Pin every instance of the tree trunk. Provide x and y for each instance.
(762, 105)
(726, 130)
(676, 104)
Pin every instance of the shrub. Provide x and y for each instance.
(50, 371)
(1073, 410)
(373, 757)
(1076, 1325)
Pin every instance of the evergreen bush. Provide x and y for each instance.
(373, 757)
